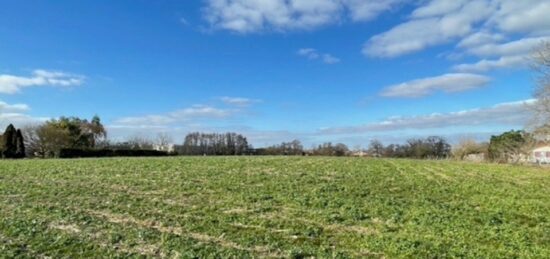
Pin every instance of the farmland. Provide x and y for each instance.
(272, 207)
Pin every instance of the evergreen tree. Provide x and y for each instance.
(8, 140)
(19, 144)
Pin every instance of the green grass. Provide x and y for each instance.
(272, 207)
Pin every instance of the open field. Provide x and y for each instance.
(272, 207)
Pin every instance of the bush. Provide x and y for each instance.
(83, 153)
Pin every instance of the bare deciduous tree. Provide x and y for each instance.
(541, 65)
(163, 142)
(376, 148)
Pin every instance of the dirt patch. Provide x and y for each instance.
(70, 228)
(263, 251)
(239, 225)
(338, 228)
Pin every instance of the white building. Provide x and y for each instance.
(541, 155)
(166, 148)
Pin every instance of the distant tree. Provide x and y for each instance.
(438, 147)
(541, 65)
(139, 142)
(510, 146)
(9, 142)
(19, 144)
(467, 147)
(328, 149)
(31, 141)
(197, 143)
(376, 148)
(95, 129)
(12, 143)
(163, 141)
(429, 148)
(46, 139)
(292, 148)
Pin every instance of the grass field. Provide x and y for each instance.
(272, 207)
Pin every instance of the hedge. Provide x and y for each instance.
(83, 153)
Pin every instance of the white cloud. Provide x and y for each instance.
(448, 83)
(247, 16)
(313, 54)
(10, 84)
(517, 47)
(478, 26)
(506, 114)
(512, 54)
(436, 23)
(9, 108)
(364, 10)
(239, 101)
(491, 64)
(186, 115)
(525, 16)
(16, 114)
(480, 38)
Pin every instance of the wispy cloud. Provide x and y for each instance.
(313, 54)
(184, 21)
(250, 16)
(11, 84)
(449, 83)
(17, 114)
(239, 101)
(7, 108)
(485, 65)
(186, 115)
(507, 114)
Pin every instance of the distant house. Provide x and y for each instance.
(541, 154)
(166, 148)
(359, 153)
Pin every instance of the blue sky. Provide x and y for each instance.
(318, 70)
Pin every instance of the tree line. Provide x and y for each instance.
(295, 148)
(429, 148)
(75, 137)
(214, 144)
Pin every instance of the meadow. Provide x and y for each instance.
(243, 207)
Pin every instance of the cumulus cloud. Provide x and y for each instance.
(247, 16)
(364, 10)
(447, 83)
(313, 54)
(436, 23)
(238, 101)
(526, 16)
(505, 114)
(10, 84)
(496, 31)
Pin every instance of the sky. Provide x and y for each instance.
(274, 70)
